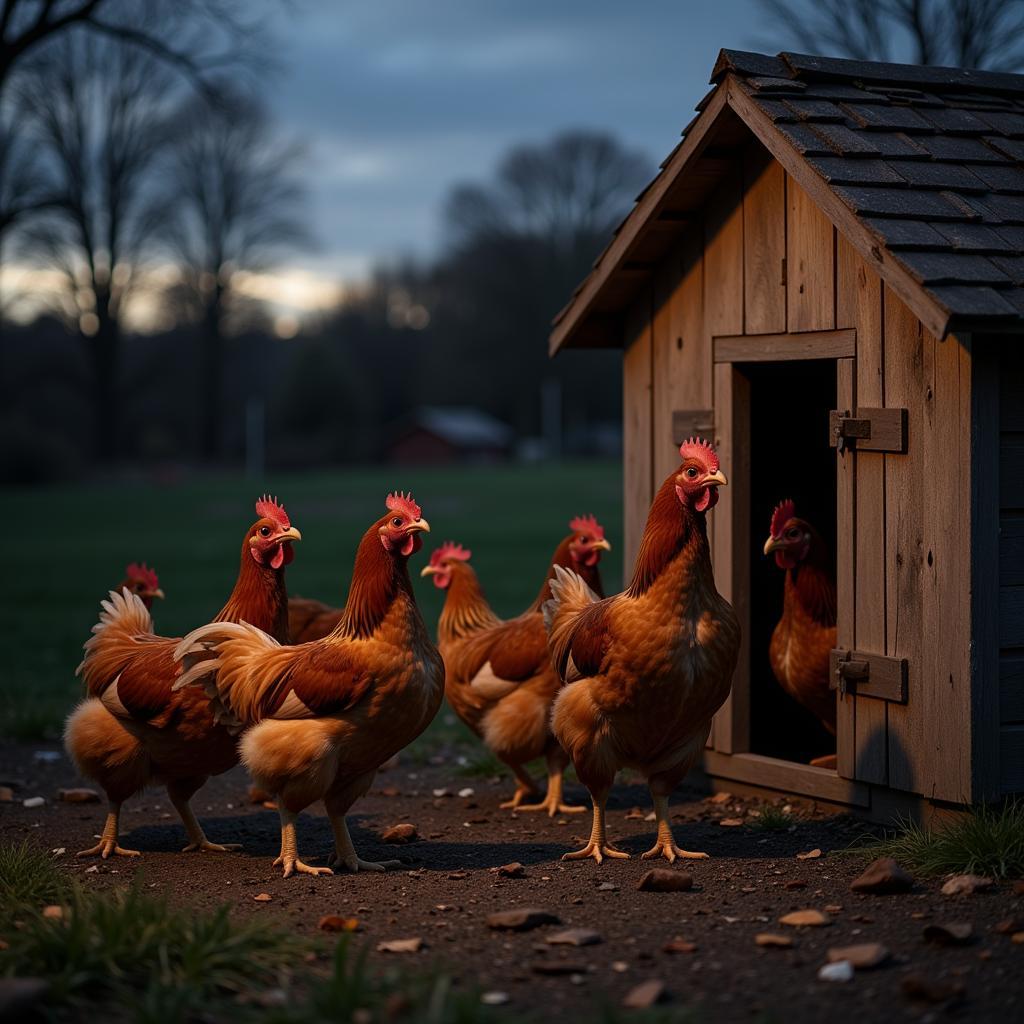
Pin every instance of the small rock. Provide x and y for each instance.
(840, 971)
(54, 912)
(731, 822)
(954, 933)
(6, 794)
(494, 998)
(458, 875)
(389, 791)
(809, 855)
(403, 833)
(679, 945)
(883, 876)
(79, 795)
(263, 897)
(805, 919)
(522, 919)
(438, 793)
(863, 956)
(337, 923)
(607, 887)
(513, 870)
(645, 995)
(466, 791)
(772, 941)
(258, 795)
(33, 801)
(575, 937)
(413, 945)
(719, 798)
(18, 996)
(795, 883)
(93, 869)
(665, 880)
(620, 966)
(966, 885)
(928, 990)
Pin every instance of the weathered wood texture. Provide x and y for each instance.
(764, 251)
(810, 264)
(637, 476)
(773, 348)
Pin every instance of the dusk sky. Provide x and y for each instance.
(397, 100)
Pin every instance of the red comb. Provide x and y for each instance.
(398, 501)
(784, 511)
(588, 525)
(698, 448)
(449, 549)
(269, 508)
(142, 572)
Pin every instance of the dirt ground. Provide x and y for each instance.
(449, 886)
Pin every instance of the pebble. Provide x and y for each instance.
(575, 937)
(620, 966)
(665, 880)
(840, 971)
(719, 798)
(263, 897)
(466, 791)
(645, 995)
(809, 855)
(413, 945)
(966, 885)
(731, 822)
(513, 870)
(772, 941)
(795, 883)
(954, 933)
(607, 887)
(883, 876)
(54, 912)
(863, 956)
(494, 998)
(337, 923)
(33, 801)
(805, 919)
(679, 945)
(521, 919)
(403, 833)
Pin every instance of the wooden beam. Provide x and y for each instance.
(787, 776)
(898, 278)
(773, 348)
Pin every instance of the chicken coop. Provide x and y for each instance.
(827, 278)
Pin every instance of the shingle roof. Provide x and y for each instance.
(930, 160)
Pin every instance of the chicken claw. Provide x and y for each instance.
(358, 864)
(516, 803)
(598, 851)
(104, 848)
(668, 849)
(292, 865)
(553, 803)
(205, 844)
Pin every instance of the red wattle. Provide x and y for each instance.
(277, 558)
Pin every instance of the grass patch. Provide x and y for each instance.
(481, 764)
(28, 878)
(986, 841)
(773, 818)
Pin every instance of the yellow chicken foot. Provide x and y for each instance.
(666, 846)
(196, 837)
(345, 855)
(108, 840)
(289, 856)
(598, 847)
(552, 803)
(525, 787)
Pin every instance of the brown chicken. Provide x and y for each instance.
(806, 633)
(133, 730)
(142, 581)
(648, 668)
(309, 619)
(499, 678)
(321, 717)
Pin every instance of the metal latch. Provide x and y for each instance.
(870, 430)
(868, 675)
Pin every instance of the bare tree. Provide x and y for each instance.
(959, 33)
(98, 118)
(232, 205)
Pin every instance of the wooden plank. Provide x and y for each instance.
(786, 776)
(731, 545)
(638, 485)
(869, 430)
(810, 263)
(859, 302)
(764, 252)
(1011, 687)
(774, 348)
(723, 258)
(846, 606)
(1011, 758)
(687, 423)
(1011, 550)
(984, 565)
(869, 674)
(1011, 616)
(896, 277)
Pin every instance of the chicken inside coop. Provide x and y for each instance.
(791, 713)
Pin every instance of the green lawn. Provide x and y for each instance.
(67, 546)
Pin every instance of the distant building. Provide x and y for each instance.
(438, 434)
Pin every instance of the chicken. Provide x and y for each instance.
(806, 633)
(133, 730)
(321, 717)
(499, 677)
(142, 581)
(309, 619)
(647, 669)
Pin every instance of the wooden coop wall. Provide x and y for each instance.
(762, 260)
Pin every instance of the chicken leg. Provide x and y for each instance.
(345, 855)
(289, 856)
(181, 792)
(525, 787)
(598, 847)
(108, 840)
(552, 802)
(666, 846)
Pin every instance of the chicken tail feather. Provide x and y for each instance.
(571, 598)
(124, 622)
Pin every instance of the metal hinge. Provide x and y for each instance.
(869, 430)
(868, 675)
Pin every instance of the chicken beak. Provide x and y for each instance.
(156, 593)
(419, 526)
(428, 570)
(290, 534)
(772, 544)
(716, 479)
(602, 544)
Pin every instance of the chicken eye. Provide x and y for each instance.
(793, 532)
(691, 473)
(584, 540)
(264, 531)
(396, 522)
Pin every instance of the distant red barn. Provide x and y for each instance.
(439, 434)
